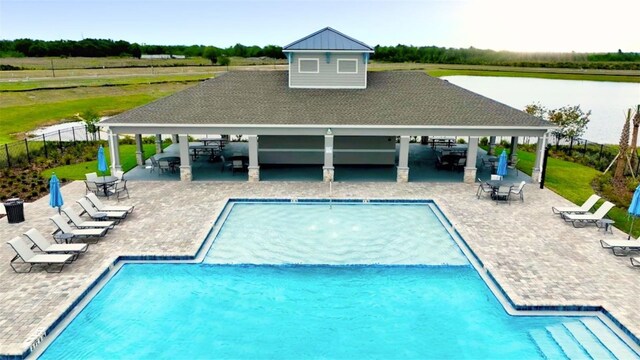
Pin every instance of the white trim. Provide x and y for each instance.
(327, 87)
(336, 126)
(308, 72)
(331, 51)
(347, 72)
(372, 150)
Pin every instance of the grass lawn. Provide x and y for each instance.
(573, 182)
(78, 171)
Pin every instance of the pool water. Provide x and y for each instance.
(304, 308)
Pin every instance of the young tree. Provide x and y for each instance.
(571, 122)
(211, 53)
(224, 61)
(618, 176)
(536, 110)
(90, 118)
(634, 139)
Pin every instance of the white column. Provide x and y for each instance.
(403, 160)
(254, 167)
(139, 150)
(185, 159)
(158, 143)
(115, 152)
(472, 156)
(537, 165)
(328, 169)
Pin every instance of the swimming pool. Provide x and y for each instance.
(297, 281)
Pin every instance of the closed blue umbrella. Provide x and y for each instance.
(102, 161)
(502, 164)
(634, 208)
(55, 196)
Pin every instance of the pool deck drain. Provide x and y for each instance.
(535, 257)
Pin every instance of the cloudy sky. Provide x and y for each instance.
(518, 25)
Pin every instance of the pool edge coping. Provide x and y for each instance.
(509, 306)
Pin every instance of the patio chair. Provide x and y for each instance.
(519, 191)
(98, 204)
(52, 248)
(77, 221)
(512, 166)
(621, 247)
(101, 215)
(154, 165)
(27, 256)
(225, 164)
(585, 207)
(236, 165)
(119, 174)
(64, 228)
(164, 165)
(483, 188)
(91, 176)
(91, 187)
(580, 220)
(118, 189)
(503, 194)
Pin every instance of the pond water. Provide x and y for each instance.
(608, 101)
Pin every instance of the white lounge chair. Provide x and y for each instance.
(98, 204)
(24, 253)
(94, 213)
(621, 247)
(64, 228)
(52, 248)
(77, 221)
(579, 220)
(584, 208)
(635, 261)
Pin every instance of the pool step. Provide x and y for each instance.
(589, 342)
(571, 348)
(546, 345)
(613, 343)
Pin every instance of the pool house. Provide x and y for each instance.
(327, 114)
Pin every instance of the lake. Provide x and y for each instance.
(608, 101)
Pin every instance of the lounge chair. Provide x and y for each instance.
(24, 253)
(52, 248)
(621, 247)
(584, 208)
(102, 207)
(579, 220)
(635, 261)
(99, 215)
(77, 221)
(64, 228)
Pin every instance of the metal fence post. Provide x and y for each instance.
(44, 144)
(26, 145)
(86, 133)
(601, 148)
(585, 146)
(6, 148)
(73, 131)
(98, 134)
(59, 140)
(544, 166)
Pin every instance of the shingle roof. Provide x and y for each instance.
(328, 39)
(391, 98)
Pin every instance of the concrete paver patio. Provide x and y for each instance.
(537, 258)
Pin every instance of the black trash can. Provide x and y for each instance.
(15, 210)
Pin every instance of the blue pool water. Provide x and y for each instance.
(440, 310)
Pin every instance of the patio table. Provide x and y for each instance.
(105, 182)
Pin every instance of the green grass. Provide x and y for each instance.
(536, 74)
(78, 171)
(61, 83)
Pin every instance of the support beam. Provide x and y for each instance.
(114, 150)
(328, 169)
(537, 165)
(185, 159)
(470, 169)
(514, 149)
(139, 150)
(158, 143)
(254, 167)
(403, 160)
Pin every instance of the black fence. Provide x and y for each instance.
(50, 145)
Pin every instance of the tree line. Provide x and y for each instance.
(397, 53)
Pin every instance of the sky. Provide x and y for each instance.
(516, 25)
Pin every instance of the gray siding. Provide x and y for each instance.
(327, 75)
(309, 150)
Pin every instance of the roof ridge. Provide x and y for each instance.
(328, 28)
